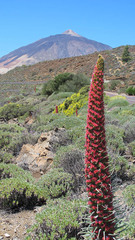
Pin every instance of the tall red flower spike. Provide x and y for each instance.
(56, 108)
(96, 161)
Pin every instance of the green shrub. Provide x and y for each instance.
(129, 195)
(129, 232)
(9, 133)
(12, 137)
(58, 96)
(79, 80)
(126, 55)
(60, 220)
(130, 90)
(60, 120)
(117, 101)
(129, 127)
(65, 82)
(106, 98)
(114, 84)
(16, 193)
(114, 137)
(13, 171)
(119, 166)
(48, 88)
(5, 157)
(73, 163)
(13, 110)
(77, 134)
(132, 148)
(56, 183)
(127, 112)
(53, 85)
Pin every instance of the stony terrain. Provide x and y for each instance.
(34, 138)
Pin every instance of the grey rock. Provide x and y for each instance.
(7, 235)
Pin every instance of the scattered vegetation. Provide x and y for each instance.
(60, 219)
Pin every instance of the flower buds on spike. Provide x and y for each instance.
(96, 161)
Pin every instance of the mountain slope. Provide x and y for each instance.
(67, 44)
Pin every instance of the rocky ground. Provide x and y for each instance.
(14, 226)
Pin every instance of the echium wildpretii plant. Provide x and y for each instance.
(96, 162)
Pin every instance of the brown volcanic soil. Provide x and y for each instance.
(16, 224)
(25, 78)
(114, 67)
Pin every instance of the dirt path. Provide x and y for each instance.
(14, 226)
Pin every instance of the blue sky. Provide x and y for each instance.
(25, 21)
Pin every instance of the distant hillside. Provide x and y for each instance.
(25, 78)
(67, 44)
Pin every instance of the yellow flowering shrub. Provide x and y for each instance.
(76, 100)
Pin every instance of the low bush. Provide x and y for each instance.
(58, 96)
(127, 112)
(132, 148)
(119, 166)
(6, 157)
(56, 183)
(9, 135)
(119, 101)
(129, 127)
(73, 163)
(13, 171)
(60, 120)
(114, 84)
(114, 137)
(129, 195)
(130, 90)
(129, 232)
(16, 193)
(12, 137)
(13, 110)
(60, 220)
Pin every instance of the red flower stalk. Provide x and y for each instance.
(96, 161)
(56, 109)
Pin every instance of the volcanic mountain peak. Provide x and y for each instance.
(67, 44)
(70, 32)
